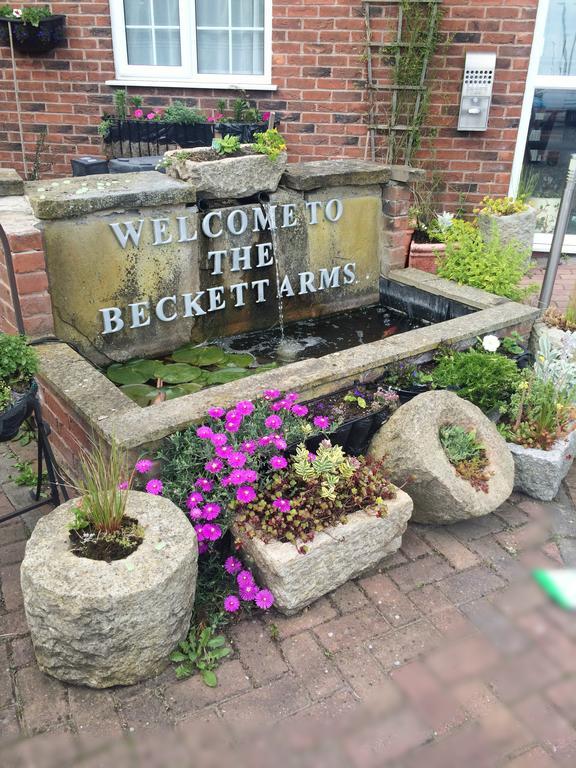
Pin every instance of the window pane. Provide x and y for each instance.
(248, 53)
(139, 44)
(559, 53)
(551, 139)
(248, 13)
(167, 47)
(212, 13)
(213, 52)
(137, 12)
(166, 13)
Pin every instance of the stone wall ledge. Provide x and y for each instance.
(11, 182)
(318, 174)
(70, 198)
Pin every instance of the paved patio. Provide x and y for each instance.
(447, 656)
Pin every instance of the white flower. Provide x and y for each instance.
(490, 343)
(444, 220)
(16, 12)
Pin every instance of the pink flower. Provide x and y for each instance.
(291, 397)
(280, 405)
(194, 499)
(195, 513)
(248, 447)
(218, 115)
(224, 451)
(245, 494)
(204, 484)
(216, 413)
(250, 475)
(248, 592)
(225, 481)
(202, 547)
(244, 578)
(234, 415)
(231, 604)
(299, 410)
(232, 566)
(245, 407)
(311, 457)
(264, 599)
(278, 462)
(204, 433)
(280, 443)
(123, 486)
(211, 531)
(264, 441)
(199, 532)
(155, 487)
(143, 465)
(321, 422)
(211, 511)
(219, 439)
(265, 116)
(271, 394)
(211, 119)
(237, 460)
(138, 113)
(232, 426)
(273, 422)
(213, 466)
(151, 115)
(281, 504)
(237, 477)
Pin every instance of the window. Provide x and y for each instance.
(204, 43)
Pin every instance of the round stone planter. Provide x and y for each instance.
(410, 444)
(518, 226)
(243, 176)
(102, 624)
(334, 556)
(538, 473)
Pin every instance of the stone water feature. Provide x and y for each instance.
(140, 265)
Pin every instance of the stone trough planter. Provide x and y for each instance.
(334, 556)
(102, 624)
(246, 175)
(538, 473)
(517, 226)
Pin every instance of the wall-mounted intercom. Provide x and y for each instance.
(476, 91)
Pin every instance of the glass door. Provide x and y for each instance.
(547, 131)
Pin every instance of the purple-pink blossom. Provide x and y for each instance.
(299, 410)
(216, 413)
(231, 604)
(199, 532)
(264, 441)
(248, 592)
(232, 426)
(245, 494)
(232, 565)
(250, 475)
(291, 397)
(273, 422)
(248, 447)
(282, 504)
(202, 547)
(123, 486)
(224, 451)
(278, 462)
(219, 439)
(194, 499)
(138, 113)
(280, 443)
(245, 407)
(271, 394)
(204, 484)
(237, 459)
(214, 466)
(264, 599)
(143, 465)
(204, 432)
(211, 511)
(195, 513)
(244, 578)
(155, 487)
(280, 405)
(211, 531)
(321, 422)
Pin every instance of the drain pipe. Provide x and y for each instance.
(559, 233)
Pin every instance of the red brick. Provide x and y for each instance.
(312, 665)
(386, 596)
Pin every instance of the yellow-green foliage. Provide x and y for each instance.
(270, 143)
(501, 206)
(330, 467)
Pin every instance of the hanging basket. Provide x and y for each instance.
(34, 40)
(12, 418)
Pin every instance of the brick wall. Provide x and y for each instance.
(319, 68)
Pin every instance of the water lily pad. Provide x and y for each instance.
(126, 374)
(146, 367)
(192, 388)
(239, 359)
(224, 375)
(266, 367)
(177, 373)
(141, 394)
(201, 356)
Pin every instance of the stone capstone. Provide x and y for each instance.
(227, 177)
(318, 174)
(11, 183)
(333, 557)
(409, 443)
(518, 226)
(540, 473)
(102, 624)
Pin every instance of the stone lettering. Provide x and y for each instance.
(238, 290)
(161, 314)
(329, 279)
(216, 300)
(191, 306)
(264, 218)
(289, 216)
(286, 288)
(138, 311)
(112, 317)
(207, 220)
(312, 207)
(241, 259)
(349, 271)
(334, 210)
(160, 228)
(130, 232)
(217, 256)
(306, 283)
(260, 285)
(265, 258)
(183, 230)
(237, 227)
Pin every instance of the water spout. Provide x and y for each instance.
(265, 204)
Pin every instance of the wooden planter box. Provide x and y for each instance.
(334, 556)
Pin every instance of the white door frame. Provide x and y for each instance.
(542, 241)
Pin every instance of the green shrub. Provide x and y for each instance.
(5, 396)
(501, 206)
(492, 266)
(486, 379)
(18, 361)
(178, 112)
(29, 15)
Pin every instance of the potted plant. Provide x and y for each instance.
(246, 121)
(35, 29)
(427, 245)
(466, 454)
(406, 380)
(322, 520)
(508, 219)
(109, 579)
(229, 168)
(540, 421)
(18, 364)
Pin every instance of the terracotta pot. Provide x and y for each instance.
(423, 255)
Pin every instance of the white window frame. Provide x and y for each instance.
(542, 241)
(186, 75)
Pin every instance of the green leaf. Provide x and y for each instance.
(183, 671)
(201, 356)
(146, 367)
(126, 374)
(224, 375)
(210, 678)
(239, 359)
(217, 642)
(176, 656)
(142, 394)
(177, 373)
(220, 653)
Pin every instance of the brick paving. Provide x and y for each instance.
(565, 281)
(448, 655)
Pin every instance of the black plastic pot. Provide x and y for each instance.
(245, 131)
(33, 40)
(12, 418)
(524, 360)
(407, 394)
(353, 436)
(155, 136)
